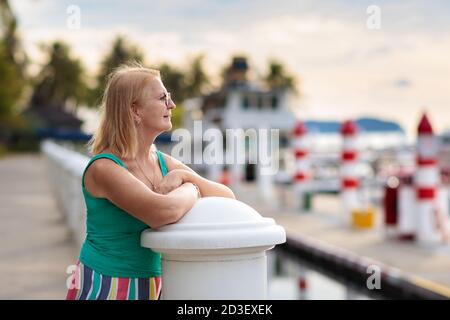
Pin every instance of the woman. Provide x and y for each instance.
(129, 186)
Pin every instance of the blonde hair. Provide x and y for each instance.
(116, 129)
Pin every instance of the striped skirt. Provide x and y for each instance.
(87, 284)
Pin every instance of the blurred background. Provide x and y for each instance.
(358, 92)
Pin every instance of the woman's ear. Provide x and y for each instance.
(136, 113)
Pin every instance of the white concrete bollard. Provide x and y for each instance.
(216, 251)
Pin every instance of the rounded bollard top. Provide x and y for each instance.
(215, 223)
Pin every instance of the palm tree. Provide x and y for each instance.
(174, 80)
(60, 81)
(121, 52)
(278, 78)
(197, 79)
(12, 64)
(11, 86)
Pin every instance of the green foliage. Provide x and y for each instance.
(277, 77)
(197, 80)
(174, 80)
(121, 52)
(181, 83)
(11, 86)
(12, 81)
(184, 84)
(60, 80)
(12, 45)
(177, 117)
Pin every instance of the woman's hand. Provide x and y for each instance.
(172, 180)
(180, 174)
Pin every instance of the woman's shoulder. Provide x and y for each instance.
(102, 172)
(109, 154)
(95, 170)
(105, 162)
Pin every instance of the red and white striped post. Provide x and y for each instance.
(302, 284)
(349, 177)
(426, 183)
(302, 164)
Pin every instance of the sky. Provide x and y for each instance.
(344, 68)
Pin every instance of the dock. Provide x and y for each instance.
(37, 246)
(324, 228)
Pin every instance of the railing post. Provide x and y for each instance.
(216, 251)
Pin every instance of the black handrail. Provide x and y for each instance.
(352, 270)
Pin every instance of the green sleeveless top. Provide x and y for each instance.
(112, 245)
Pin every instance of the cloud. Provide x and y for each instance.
(344, 69)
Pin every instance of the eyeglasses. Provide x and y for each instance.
(167, 98)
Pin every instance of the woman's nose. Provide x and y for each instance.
(172, 105)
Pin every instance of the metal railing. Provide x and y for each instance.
(353, 271)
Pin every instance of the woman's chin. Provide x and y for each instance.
(168, 126)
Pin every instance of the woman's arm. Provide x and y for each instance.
(183, 198)
(207, 187)
(131, 195)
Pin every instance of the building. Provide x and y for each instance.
(243, 104)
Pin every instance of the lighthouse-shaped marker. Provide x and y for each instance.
(426, 182)
(349, 177)
(302, 164)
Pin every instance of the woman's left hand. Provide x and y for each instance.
(172, 180)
